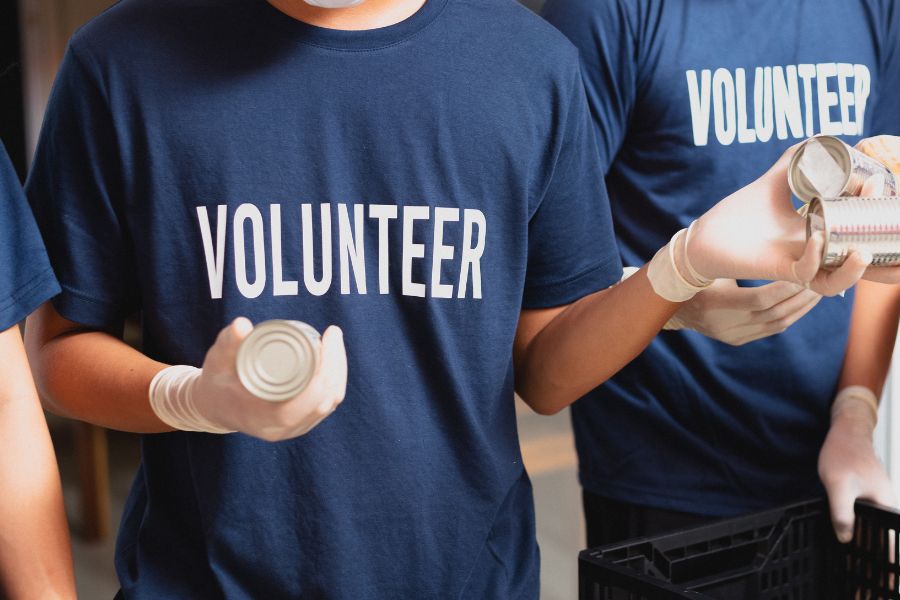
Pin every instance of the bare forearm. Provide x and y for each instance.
(90, 375)
(873, 331)
(35, 555)
(589, 341)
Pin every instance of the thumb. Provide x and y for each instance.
(805, 268)
(874, 186)
(223, 352)
(841, 497)
(831, 283)
(334, 360)
(235, 332)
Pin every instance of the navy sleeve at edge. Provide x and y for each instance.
(26, 279)
(572, 251)
(74, 188)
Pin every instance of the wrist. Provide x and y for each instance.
(173, 401)
(670, 273)
(683, 260)
(855, 408)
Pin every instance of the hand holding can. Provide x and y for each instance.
(825, 167)
(755, 233)
(215, 399)
(278, 359)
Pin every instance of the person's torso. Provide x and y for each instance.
(382, 183)
(722, 89)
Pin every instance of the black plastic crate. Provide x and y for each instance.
(788, 553)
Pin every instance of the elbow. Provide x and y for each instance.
(542, 403)
(40, 361)
(548, 409)
(52, 407)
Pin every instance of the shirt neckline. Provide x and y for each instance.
(350, 40)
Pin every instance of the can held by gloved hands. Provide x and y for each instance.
(826, 167)
(867, 223)
(278, 359)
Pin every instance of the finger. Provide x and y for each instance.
(883, 148)
(766, 296)
(334, 361)
(841, 498)
(333, 350)
(758, 331)
(803, 300)
(882, 274)
(224, 350)
(805, 269)
(834, 282)
(781, 324)
(874, 186)
(774, 295)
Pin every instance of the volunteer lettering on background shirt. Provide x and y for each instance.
(691, 100)
(219, 158)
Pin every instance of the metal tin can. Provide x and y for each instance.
(868, 223)
(826, 167)
(278, 359)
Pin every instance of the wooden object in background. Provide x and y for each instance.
(93, 473)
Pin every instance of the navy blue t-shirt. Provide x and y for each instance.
(691, 101)
(417, 185)
(26, 279)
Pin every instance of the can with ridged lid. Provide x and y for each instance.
(278, 359)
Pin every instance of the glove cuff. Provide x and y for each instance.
(171, 398)
(665, 277)
(858, 401)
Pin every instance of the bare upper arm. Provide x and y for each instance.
(531, 322)
(45, 325)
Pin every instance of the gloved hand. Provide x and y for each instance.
(848, 466)
(755, 233)
(883, 148)
(736, 315)
(212, 399)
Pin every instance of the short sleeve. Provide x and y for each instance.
(75, 191)
(26, 279)
(603, 32)
(886, 116)
(572, 251)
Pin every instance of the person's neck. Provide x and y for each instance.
(371, 14)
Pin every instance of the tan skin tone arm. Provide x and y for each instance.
(562, 353)
(35, 552)
(873, 331)
(90, 375)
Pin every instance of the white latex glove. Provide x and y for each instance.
(883, 148)
(212, 399)
(848, 466)
(736, 315)
(755, 233)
